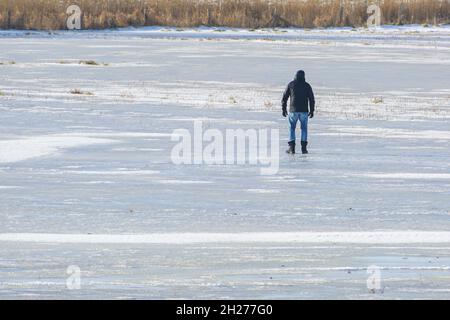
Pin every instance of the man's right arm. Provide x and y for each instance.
(284, 101)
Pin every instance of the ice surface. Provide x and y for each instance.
(84, 176)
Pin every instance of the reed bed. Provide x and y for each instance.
(101, 14)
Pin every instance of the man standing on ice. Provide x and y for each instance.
(301, 95)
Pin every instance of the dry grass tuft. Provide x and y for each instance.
(84, 62)
(89, 62)
(80, 92)
(377, 100)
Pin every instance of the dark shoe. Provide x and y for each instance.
(291, 149)
(304, 144)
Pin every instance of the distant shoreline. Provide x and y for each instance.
(439, 34)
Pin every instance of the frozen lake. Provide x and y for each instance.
(85, 153)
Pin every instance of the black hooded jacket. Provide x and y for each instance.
(300, 93)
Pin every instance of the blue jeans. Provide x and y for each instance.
(293, 118)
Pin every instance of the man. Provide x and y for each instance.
(301, 94)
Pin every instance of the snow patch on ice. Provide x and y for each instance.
(263, 191)
(390, 133)
(404, 175)
(32, 147)
(381, 237)
(24, 148)
(113, 172)
(183, 181)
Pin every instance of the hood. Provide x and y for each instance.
(300, 76)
